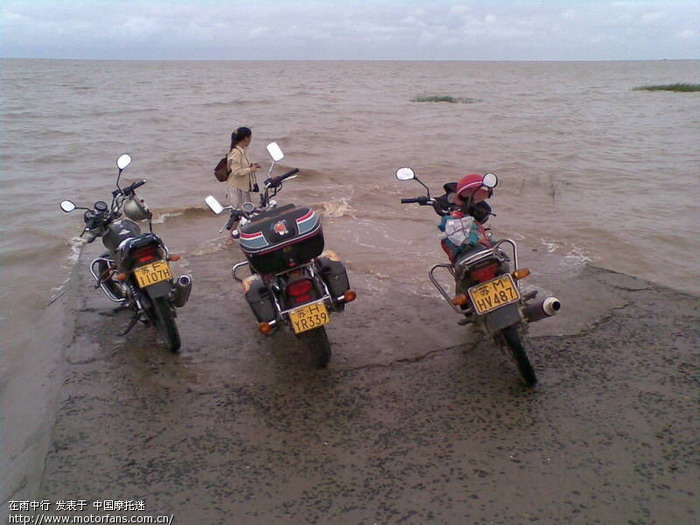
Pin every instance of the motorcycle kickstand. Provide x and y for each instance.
(134, 319)
(119, 308)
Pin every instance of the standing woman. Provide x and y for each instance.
(242, 179)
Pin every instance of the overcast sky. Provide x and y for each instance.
(351, 30)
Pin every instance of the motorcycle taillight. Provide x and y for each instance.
(144, 255)
(300, 290)
(485, 273)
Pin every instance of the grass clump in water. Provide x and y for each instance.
(444, 98)
(670, 87)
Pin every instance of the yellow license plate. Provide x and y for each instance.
(493, 294)
(309, 317)
(153, 273)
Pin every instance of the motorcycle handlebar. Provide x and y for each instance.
(130, 188)
(231, 220)
(289, 173)
(420, 200)
(273, 182)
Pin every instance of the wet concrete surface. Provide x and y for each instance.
(416, 420)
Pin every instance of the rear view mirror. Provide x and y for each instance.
(275, 151)
(405, 174)
(123, 161)
(490, 180)
(67, 206)
(214, 204)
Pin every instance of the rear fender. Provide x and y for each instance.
(505, 316)
(160, 289)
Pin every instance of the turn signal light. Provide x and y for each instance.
(349, 296)
(121, 277)
(265, 328)
(174, 258)
(521, 273)
(460, 299)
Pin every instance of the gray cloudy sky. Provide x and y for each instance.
(351, 30)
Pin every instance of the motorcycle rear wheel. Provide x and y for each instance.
(515, 347)
(319, 345)
(165, 322)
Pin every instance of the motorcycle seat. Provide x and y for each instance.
(142, 240)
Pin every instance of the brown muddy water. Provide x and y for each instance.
(590, 171)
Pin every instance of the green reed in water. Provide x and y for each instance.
(670, 87)
(445, 98)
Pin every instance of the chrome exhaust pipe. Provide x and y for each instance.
(542, 309)
(181, 290)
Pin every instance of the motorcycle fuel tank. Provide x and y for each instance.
(118, 232)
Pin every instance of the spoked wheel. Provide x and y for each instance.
(319, 345)
(513, 343)
(165, 322)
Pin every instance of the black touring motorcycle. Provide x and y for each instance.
(487, 291)
(135, 269)
(293, 281)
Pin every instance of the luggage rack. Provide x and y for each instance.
(241, 264)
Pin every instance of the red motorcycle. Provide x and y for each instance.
(487, 290)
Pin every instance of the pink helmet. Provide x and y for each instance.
(471, 184)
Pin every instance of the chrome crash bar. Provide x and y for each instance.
(100, 280)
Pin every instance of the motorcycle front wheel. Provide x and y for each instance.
(165, 322)
(513, 343)
(319, 345)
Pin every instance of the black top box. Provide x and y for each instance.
(283, 238)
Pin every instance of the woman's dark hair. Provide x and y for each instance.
(239, 135)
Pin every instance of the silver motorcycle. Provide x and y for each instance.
(135, 270)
